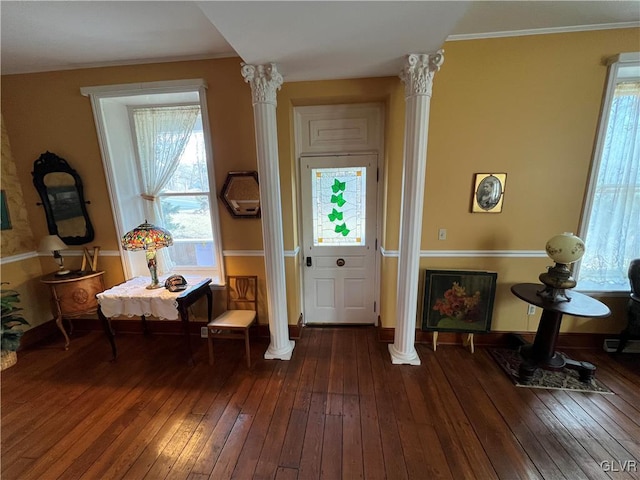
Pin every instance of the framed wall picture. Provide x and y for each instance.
(5, 220)
(458, 300)
(488, 192)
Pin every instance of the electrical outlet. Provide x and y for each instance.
(531, 310)
(442, 234)
(203, 332)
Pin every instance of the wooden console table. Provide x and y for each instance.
(73, 295)
(542, 353)
(132, 298)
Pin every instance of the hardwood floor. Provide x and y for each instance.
(338, 409)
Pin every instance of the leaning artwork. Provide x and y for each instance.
(458, 300)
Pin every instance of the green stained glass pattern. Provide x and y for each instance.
(338, 196)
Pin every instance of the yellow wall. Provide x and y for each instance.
(19, 238)
(46, 111)
(22, 275)
(380, 90)
(526, 106)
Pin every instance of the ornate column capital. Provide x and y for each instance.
(265, 81)
(418, 72)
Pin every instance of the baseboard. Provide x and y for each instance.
(295, 331)
(39, 333)
(162, 327)
(499, 339)
(611, 346)
(385, 334)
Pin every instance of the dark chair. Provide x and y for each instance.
(632, 331)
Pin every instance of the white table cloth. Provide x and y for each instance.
(132, 298)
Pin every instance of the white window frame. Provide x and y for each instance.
(110, 105)
(622, 67)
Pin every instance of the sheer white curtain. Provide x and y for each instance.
(161, 136)
(613, 234)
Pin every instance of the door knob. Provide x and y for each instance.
(340, 262)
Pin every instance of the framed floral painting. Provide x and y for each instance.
(458, 300)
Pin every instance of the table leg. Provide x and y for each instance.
(543, 350)
(586, 370)
(184, 316)
(61, 327)
(106, 324)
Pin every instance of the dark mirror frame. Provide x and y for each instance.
(225, 190)
(51, 163)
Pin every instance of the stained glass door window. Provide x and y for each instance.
(339, 206)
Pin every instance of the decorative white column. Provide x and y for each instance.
(418, 78)
(265, 81)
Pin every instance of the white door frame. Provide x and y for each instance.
(368, 118)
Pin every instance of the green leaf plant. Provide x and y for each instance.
(337, 215)
(9, 334)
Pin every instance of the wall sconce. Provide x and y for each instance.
(54, 244)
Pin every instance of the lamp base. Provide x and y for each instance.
(153, 285)
(63, 272)
(555, 295)
(556, 280)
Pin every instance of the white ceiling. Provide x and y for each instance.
(308, 40)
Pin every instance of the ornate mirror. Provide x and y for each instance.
(241, 194)
(60, 189)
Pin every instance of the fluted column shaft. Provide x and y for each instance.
(265, 81)
(418, 78)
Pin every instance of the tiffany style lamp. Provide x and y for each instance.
(149, 238)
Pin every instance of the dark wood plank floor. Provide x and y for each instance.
(338, 409)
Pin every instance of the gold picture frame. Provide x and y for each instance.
(488, 192)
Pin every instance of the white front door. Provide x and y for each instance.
(339, 238)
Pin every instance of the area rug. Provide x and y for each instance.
(565, 379)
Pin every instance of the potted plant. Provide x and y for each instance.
(9, 334)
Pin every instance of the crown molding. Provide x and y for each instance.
(541, 31)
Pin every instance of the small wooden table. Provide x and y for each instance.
(73, 295)
(132, 298)
(542, 354)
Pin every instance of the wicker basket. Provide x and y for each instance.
(8, 359)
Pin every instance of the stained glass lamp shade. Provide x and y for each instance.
(149, 238)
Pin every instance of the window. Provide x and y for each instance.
(339, 206)
(611, 219)
(156, 152)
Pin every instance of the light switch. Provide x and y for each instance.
(442, 234)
